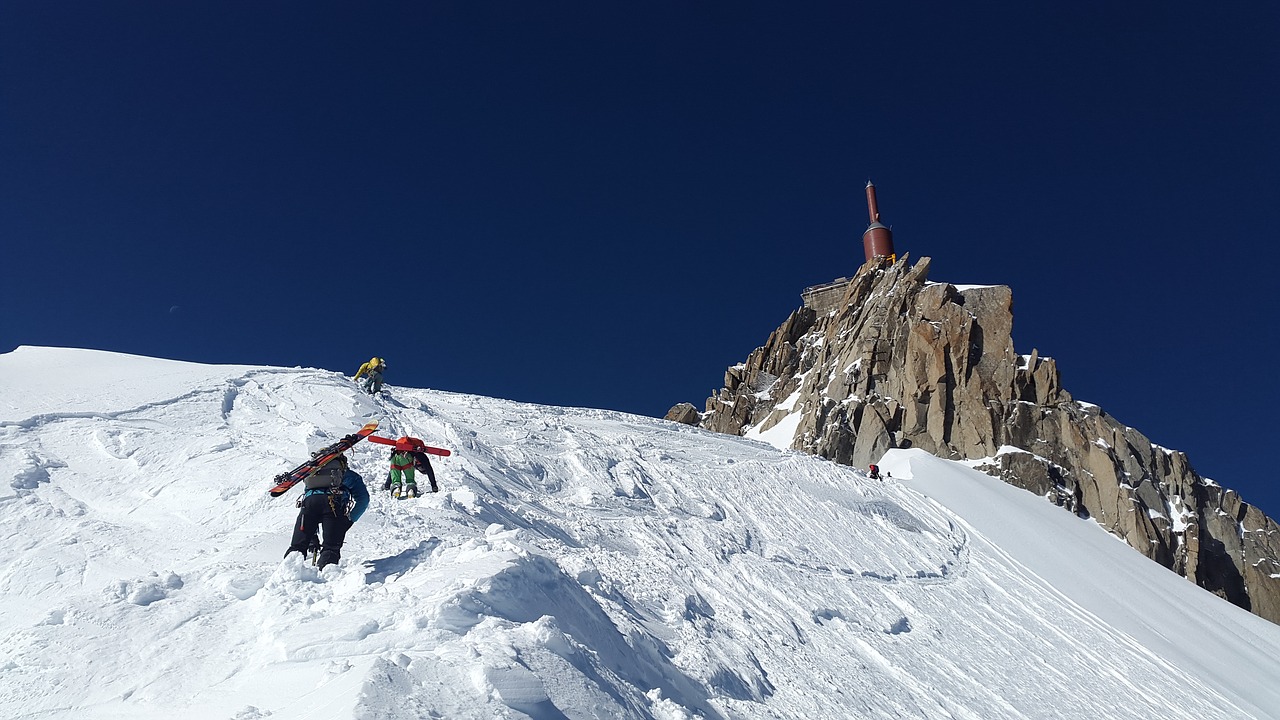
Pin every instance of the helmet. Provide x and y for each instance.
(317, 453)
(317, 443)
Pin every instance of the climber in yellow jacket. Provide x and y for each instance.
(374, 369)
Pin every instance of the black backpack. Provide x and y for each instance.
(420, 461)
(329, 476)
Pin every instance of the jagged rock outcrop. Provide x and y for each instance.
(898, 361)
(684, 413)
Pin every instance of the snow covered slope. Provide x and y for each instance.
(577, 563)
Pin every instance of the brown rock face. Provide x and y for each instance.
(901, 362)
(683, 413)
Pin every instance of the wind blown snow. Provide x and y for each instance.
(578, 563)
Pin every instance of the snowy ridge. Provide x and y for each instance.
(577, 563)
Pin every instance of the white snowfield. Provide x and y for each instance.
(576, 564)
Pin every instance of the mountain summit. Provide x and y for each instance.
(888, 359)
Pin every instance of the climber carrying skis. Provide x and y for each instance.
(401, 472)
(406, 457)
(374, 369)
(334, 499)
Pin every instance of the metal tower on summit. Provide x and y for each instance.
(877, 241)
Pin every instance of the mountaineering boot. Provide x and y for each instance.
(411, 490)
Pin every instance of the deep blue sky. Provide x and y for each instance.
(607, 204)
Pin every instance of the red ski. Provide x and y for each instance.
(284, 481)
(410, 444)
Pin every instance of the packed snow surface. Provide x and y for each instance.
(576, 564)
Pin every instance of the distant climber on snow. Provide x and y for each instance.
(334, 499)
(374, 369)
(874, 472)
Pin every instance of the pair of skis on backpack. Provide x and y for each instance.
(287, 480)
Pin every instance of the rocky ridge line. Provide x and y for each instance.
(898, 361)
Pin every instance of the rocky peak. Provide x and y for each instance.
(887, 359)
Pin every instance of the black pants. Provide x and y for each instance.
(329, 511)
